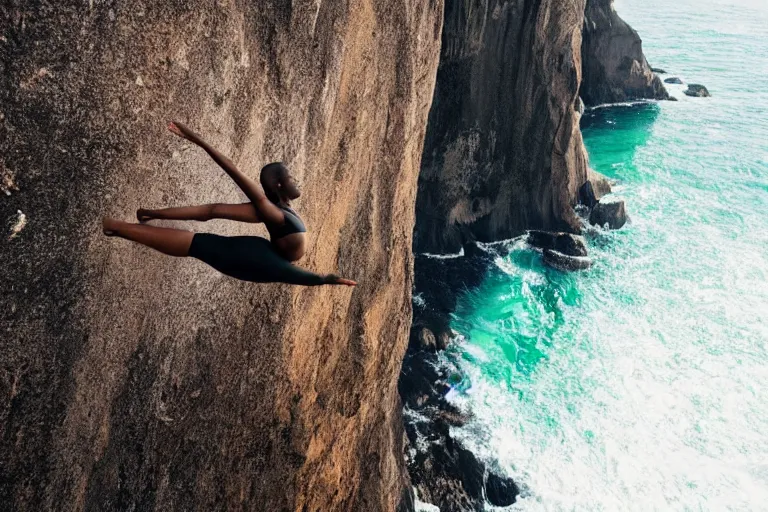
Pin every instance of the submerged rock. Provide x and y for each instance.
(613, 214)
(659, 71)
(697, 91)
(565, 262)
(565, 243)
(674, 80)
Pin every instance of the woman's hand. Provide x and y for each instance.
(182, 131)
(334, 279)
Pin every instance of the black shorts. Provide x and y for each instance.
(249, 258)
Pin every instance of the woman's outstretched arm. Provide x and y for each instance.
(267, 210)
(292, 274)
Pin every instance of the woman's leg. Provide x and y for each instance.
(173, 242)
(240, 212)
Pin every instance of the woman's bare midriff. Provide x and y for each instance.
(290, 247)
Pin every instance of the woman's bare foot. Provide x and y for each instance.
(109, 226)
(143, 215)
(176, 129)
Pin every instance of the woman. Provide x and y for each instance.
(250, 258)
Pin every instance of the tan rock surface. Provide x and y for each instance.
(131, 380)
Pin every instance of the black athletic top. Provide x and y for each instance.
(291, 225)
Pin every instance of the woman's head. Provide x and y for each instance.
(277, 183)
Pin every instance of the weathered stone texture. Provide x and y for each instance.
(135, 381)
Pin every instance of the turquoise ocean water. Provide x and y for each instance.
(642, 384)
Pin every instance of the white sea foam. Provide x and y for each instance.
(443, 256)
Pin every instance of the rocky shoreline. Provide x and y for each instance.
(444, 472)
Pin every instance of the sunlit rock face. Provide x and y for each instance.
(136, 381)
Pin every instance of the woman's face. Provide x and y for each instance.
(289, 188)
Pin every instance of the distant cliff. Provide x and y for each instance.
(503, 151)
(615, 68)
(134, 381)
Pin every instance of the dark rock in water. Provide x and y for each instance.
(443, 339)
(500, 491)
(453, 417)
(565, 262)
(419, 377)
(672, 98)
(587, 195)
(453, 479)
(565, 243)
(613, 213)
(659, 71)
(673, 80)
(697, 91)
(427, 339)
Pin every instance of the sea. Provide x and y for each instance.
(642, 383)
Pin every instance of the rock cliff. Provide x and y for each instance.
(135, 381)
(503, 151)
(615, 68)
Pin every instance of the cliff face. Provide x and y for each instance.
(503, 151)
(615, 68)
(132, 380)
